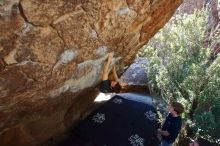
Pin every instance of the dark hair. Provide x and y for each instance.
(178, 107)
(116, 88)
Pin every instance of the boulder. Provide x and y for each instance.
(52, 54)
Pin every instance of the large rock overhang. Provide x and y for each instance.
(52, 51)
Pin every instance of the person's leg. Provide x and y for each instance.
(106, 67)
(164, 143)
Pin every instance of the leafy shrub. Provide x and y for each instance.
(180, 69)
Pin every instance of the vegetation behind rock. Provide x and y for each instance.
(180, 69)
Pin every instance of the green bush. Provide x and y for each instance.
(180, 69)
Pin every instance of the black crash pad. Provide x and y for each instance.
(119, 122)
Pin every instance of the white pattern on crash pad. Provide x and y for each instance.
(135, 140)
(150, 115)
(98, 118)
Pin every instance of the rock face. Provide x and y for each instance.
(136, 73)
(53, 50)
(188, 6)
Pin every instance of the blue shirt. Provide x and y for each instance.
(173, 126)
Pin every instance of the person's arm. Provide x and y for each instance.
(163, 132)
(115, 73)
(106, 67)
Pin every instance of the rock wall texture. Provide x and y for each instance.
(51, 51)
(188, 6)
(214, 24)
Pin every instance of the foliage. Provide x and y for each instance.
(180, 68)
